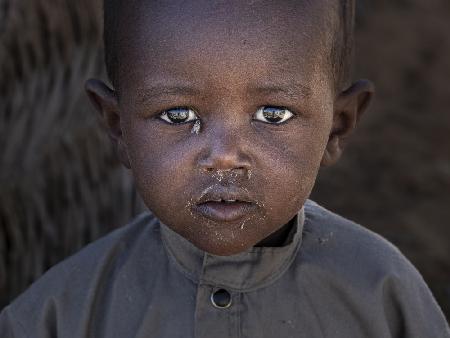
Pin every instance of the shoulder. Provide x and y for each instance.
(353, 263)
(118, 244)
(351, 254)
(70, 285)
(349, 243)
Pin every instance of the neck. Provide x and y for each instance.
(279, 237)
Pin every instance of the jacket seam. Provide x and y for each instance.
(265, 282)
(23, 331)
(175, 262)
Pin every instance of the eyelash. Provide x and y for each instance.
(191, 115)
(272, 112)
(165, 115)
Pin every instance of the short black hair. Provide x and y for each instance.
(341, 53)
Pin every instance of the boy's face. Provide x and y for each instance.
(223, 111)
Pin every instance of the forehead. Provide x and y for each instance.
(224, 36)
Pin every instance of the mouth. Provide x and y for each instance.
(225, 204)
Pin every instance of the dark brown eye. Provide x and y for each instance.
(178, 115)
(273, 115)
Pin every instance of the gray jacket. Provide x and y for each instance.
(332, 279)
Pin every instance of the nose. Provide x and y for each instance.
(225, 150)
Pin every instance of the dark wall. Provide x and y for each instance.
(395, 175)
(60, 183)
(61, 187)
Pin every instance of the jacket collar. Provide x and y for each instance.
(246, 271)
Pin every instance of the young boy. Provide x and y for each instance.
(224, 111)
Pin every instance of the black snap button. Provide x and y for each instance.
(221, 299)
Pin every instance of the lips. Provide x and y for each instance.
(225, 204)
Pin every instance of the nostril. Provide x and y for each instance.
(218, 159)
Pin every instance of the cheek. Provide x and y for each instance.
(160, 165)
(291, 166)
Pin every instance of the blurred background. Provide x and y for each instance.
(62, 187)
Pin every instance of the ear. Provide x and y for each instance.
(348, 108)
(105, 102)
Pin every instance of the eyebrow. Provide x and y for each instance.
(291, 90)
(158, 91)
